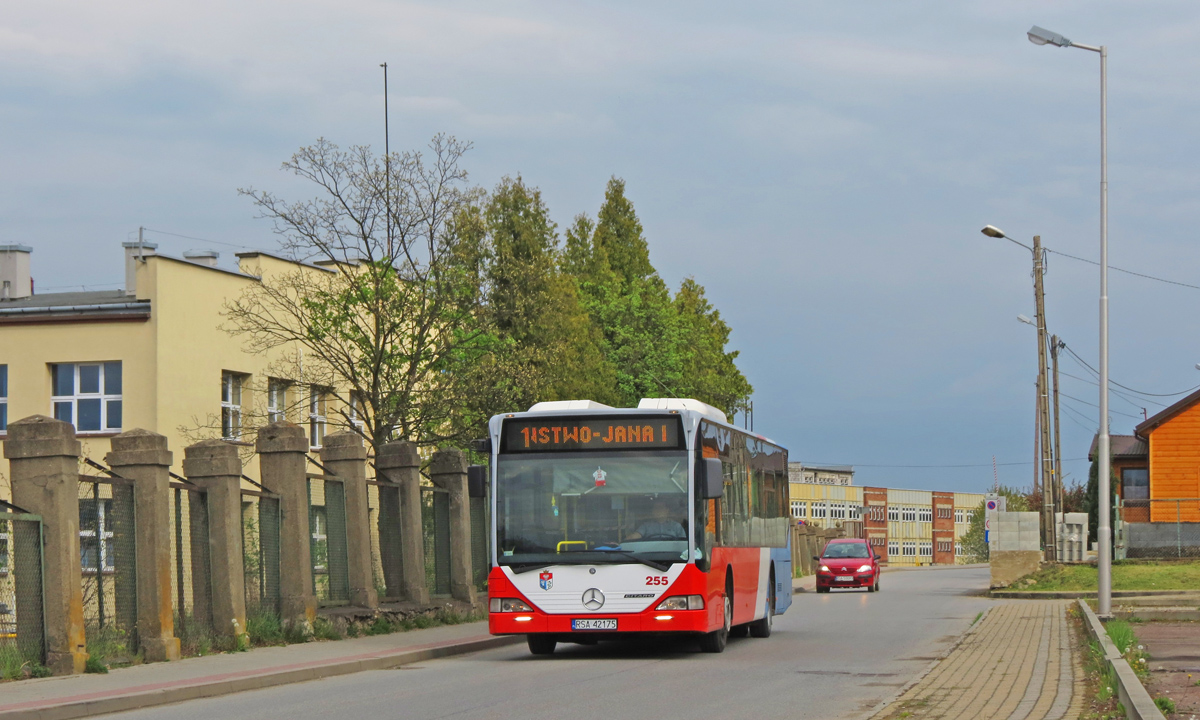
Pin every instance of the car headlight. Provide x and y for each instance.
(508, 605)
(824, 568)
(682, 602)
(865, 568)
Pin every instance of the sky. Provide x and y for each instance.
(823, 169)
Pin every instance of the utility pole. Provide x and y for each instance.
(1059, 498)
(387, 166)
(1049, 544)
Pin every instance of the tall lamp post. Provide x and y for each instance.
(1041, 36)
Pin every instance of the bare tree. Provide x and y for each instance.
(391, 313)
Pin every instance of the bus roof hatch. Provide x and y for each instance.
(682, 404)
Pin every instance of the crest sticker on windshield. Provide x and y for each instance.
(546, 580)
(599, 476)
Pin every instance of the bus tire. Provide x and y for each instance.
(541, 644)
(715, 641)
(762, 628)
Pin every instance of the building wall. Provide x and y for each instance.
(964, 505)
(943, 528)
(875, 520)
(1175, 466)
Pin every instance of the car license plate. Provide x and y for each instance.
(594, 624)
(844, 578)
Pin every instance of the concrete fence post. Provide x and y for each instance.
(400, 512)
(281, 447)
(448, 470)
(344, 455)
(142, 456)
(214, 465)
(43, 459)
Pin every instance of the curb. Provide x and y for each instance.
(1132, 694)
(883, 704)
(1077, 594)
(138, 697)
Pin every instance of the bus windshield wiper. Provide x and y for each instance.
(519, 568)
(656, 564)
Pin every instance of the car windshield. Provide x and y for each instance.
(846, 550)
(618, 507)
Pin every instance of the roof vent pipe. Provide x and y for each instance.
(135, 254)
(15, 280)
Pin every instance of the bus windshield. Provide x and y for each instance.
(571, 508)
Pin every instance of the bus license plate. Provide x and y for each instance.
(594, 624)
(844, 578)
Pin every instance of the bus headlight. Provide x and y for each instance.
(682, 602)
(507, 605)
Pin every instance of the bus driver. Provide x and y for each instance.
(660, 526)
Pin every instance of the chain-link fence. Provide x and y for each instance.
(480, 556)
(22, 608)
(107, 555)
(1160, 528)
(191, 568)
(387, 557)
(327, 523)
(435, 530)
(260, 551)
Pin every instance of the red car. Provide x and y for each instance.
(849, 563)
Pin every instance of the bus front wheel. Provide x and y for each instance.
(541, 644)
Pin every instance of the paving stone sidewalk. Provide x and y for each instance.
(1018, 663)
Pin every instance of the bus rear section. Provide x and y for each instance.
(609, 523)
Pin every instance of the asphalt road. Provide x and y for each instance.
(831, 656)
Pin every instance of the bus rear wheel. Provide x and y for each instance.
(762, 628)
(541, 644)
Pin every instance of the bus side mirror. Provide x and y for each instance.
(712, 483)
(477, 481)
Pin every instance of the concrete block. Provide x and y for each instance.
(1008, 566)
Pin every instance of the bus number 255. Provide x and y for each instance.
(657, 580)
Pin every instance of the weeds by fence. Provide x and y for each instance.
(191, 570)
(22, 609)
(260, 553)
(109, 564)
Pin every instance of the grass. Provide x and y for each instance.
(1167, 705)
(1126, 575)
(265, 628)
(1122, 635)
(14, 666)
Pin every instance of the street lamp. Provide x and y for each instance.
(1041, 36)
(1026, 320)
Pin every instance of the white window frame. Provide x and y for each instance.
(908, 514)
(77, 395)
(798, 509)
(231, 404)
(960, 516)
(107, 564)
(893, 513)
(820, 510)
(317, 419)
(926, 549)
(958, 549)
(355, 412)
(837, 511)
(909, 549)
(854, 512)
(320, 533)
(893, 548)
(925, 514)
(276, 399)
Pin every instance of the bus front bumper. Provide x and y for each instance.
(647, 621)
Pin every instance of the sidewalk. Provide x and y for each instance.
(1017, 662)
(60, 698)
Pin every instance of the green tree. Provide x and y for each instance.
(387, 332)
(709, 372)
(1091, 500)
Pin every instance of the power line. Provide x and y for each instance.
(1085, 402)
(1073, 413)
(1121, 395)
(205, 240)
(1136, 392)
(1127, 272)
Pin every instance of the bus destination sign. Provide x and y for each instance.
(607, 433)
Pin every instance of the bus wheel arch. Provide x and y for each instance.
(762, 628)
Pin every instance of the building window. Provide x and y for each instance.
(231, 405)
(908, 514)
(925, 514)
(945, 512)
(927, 549)
(1135, 484)
(87, 395)
(837, 511)
(820, 510)
(356, 414)
(910, 549)
(797, 509)
(95, 535)
(316, 416)
(893, 513)
(945, 546)
(958, 549)
(276, 400)
(960, 516)
(854, 512)
(320, 538)
(893, 548)
(3, 398)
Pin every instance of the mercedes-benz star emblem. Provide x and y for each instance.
(593, 599)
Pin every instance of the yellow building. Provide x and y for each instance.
(151, 356)
(906, 527)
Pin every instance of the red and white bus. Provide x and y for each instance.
(663, 518)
